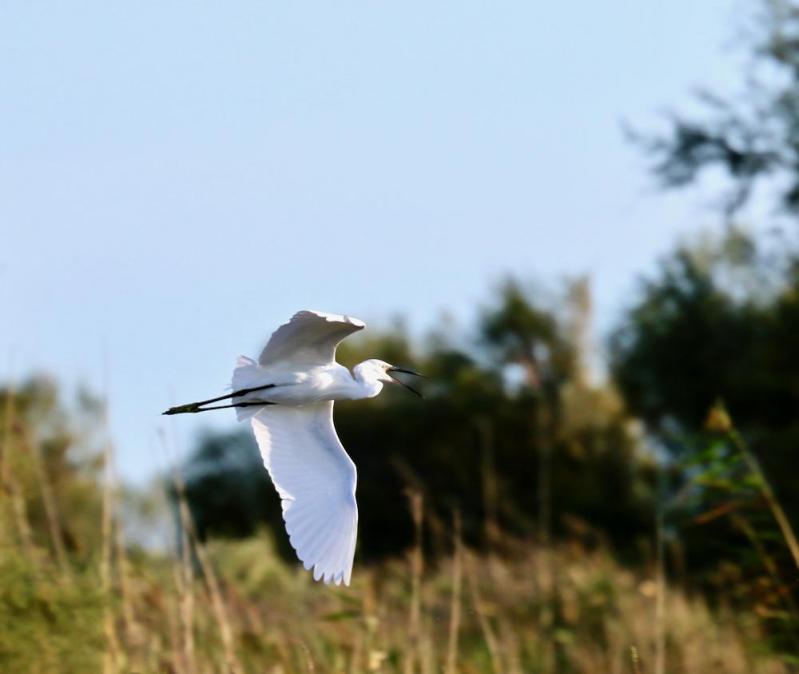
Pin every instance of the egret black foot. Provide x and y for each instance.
(184, 409)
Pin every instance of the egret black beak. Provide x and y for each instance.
(405, 370)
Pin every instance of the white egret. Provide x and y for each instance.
(288, 397)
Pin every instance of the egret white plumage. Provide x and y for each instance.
(288, 398)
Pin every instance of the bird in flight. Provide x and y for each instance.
(288, 398)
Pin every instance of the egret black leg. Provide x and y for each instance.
(235, 394)
(191, 408)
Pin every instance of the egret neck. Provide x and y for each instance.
(368, 378)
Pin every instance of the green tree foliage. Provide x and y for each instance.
(719, 322)
(473, 444)
(695, 335)
(692, 335)
(719, 319)
(702, 331)
(753, 138)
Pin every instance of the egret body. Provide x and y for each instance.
(287, 396)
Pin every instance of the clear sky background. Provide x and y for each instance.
(177, 178)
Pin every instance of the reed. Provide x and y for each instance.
(232, 606)
(784, 524)
(219, 611)
(416, 502)
(455, 605)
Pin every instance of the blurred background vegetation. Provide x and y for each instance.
(557, 503)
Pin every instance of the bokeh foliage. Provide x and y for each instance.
(712, 334)
(752, 138)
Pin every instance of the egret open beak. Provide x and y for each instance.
(405, 370)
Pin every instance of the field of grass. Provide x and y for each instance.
(79, 594)
(236, 607)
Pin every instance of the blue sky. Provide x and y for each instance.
(178, 178)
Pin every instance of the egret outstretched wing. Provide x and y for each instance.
(310, 338)
(316, 481)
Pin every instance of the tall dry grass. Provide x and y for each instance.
(223, 606)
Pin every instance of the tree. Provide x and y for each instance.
(688, 340)
(753, 138)
(717, 319)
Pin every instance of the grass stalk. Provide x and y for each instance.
(175, 622)
(5, 447)
(111, 660)
(10, 485)
(455, 605)
(219, 611)
(185, 580)
(773, 570)
(417, 566)
(49, 502)
(635, 660)
(128, 616)
(660, 580)
(778, 513)
(482, 616)
(489, 479)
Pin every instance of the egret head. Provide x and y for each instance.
(380, 370)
